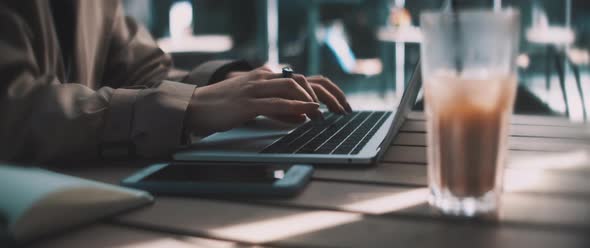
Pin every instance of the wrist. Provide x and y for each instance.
(193, 125)
(188, 116)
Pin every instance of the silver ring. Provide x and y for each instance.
(287, 72)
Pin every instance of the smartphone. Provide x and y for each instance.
(209, 179)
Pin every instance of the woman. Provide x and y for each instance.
(79, 80)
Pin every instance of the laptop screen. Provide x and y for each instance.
(405, 106)
(411, 94)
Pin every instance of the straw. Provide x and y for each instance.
(456, 34)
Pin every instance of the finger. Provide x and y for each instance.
(332, 88)
(236, 74)
(295, 119)
(300, 79)
(280, 87)
(329, 99)
(262, 75)
(264, 68)
(279, 106)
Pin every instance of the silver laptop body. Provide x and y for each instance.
(249, 142)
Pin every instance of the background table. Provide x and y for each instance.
(546, 203)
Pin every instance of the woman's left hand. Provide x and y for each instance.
(320, 88)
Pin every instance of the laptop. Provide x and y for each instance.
(360, 138)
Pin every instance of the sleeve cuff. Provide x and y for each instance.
(116, 139)
(215, 71)
(147, 122)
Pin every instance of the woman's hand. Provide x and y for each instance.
(230, 103)
(318, 87)
(330, 94)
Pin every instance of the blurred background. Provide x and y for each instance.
(370, 47)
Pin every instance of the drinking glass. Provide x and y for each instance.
(469, 72)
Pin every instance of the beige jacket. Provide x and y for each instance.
(118, 98)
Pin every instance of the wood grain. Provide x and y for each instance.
(273, 225)
(522, 130)
(109, 235)
(515, 142)
(534, 120)
(546, 204)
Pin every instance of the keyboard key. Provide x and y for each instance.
(344, 132)
(353, 139)
(293, 141)
(370, 134)
(329, 132)
(336, 134)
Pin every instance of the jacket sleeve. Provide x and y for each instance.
(43, 119)
(134, 59)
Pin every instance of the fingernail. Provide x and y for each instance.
(348, 108)
(343, 111)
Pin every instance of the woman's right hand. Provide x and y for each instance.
(232, 102)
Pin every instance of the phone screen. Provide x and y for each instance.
(219, 173)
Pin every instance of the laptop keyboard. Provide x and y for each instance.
(337, 134)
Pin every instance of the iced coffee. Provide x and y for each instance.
(467, 122)
(469, 95)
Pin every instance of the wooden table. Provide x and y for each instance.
(546, 204)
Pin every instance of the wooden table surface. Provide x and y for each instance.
(546, 203)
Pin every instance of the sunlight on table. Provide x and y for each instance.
(516, 179)
(390, 203)
(293, 225)
(528, 173)
(279, 228)
(180, 243)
